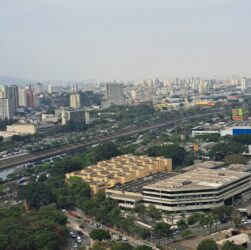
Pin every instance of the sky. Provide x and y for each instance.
(124, 39)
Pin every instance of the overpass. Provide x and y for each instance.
(68, 148)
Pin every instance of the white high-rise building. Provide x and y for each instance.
(6, 104)
(5, 112)
(22, 100)
(245, 84)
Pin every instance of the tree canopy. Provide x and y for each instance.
(207, 244)
(40, 229)
(100, 234)
(121, 246)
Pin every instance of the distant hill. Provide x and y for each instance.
(14, 80)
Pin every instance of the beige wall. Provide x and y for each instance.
(22, 128)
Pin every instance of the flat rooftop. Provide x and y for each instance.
(200, 178)
(204, 164)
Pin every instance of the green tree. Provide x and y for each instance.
(100, 234)
(121, 246)
(36, 194)
(143, 247)
(185, 233)
(175, 152)
(182, 225)
(106, 151)
(98, 246)
(153, 212)
(231, 246)
(162, 229)
(207, 244)
(192, 219)
(235, 159)
(220, 150)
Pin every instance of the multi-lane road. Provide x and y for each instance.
(68, 148)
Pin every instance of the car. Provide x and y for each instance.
(124, 238)
(79, 240)
(75, 245)
(82, 226)
(73, 235)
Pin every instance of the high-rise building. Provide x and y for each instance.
(75, 116)
(13, 93)
(38, 88)
(5, 112)
(75, 100)
(74, 88)
(22, 97)
(245, 84)
(30, 98)
(115, 93)
(89, 98)
(6, 105)
(4, 91)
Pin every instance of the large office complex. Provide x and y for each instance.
(115, 93)
(194, 191)
(121, 169)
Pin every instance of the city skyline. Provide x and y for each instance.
(74, 40)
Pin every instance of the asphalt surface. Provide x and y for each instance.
(37, 156)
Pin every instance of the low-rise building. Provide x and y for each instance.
(198, 190)
(120, 170)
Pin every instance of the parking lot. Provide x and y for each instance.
(137, 185)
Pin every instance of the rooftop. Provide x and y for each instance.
(200, 178)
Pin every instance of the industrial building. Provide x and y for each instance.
(198, 190)
(121, 170)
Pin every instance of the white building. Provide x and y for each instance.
(198, 190)
(22, 101)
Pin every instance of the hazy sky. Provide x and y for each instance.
(124, 39)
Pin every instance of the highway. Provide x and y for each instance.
(68, 148)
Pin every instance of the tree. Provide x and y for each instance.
(121, 246)
(223, 212)
(175, 152)
(220, 150)
(98, 246)
(36, 194)
(231, 246)
(106, 151)
(100, 234)
(37, 229)
(185, 233)
(207, 244)
(182, 225)
(153, 212)
(235, 159)
(143, 247)
(162, 229)
(236, 216)
(193, 219)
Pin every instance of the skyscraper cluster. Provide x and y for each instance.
(12, 97)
